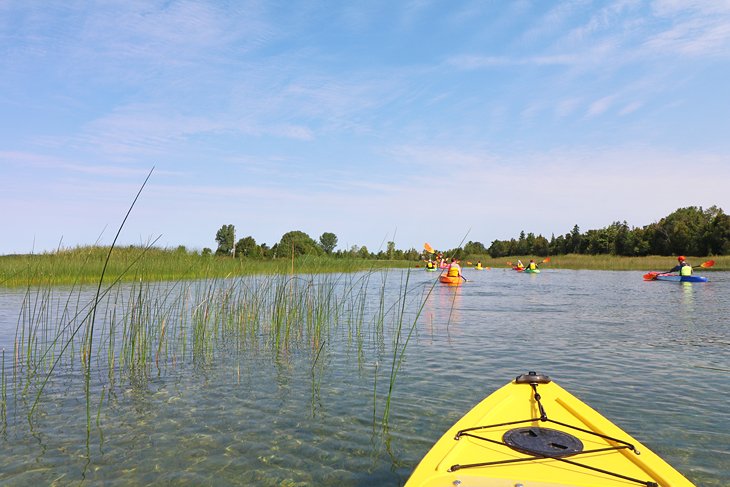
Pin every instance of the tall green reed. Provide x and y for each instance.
(145, 328)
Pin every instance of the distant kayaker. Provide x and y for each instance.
(532, 265)
(479, 264)
(683, 267)
(520, 265)
(430, 264)
(454, 269)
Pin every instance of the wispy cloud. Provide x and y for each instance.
(601, 105)
(257, 106)
(471, 62)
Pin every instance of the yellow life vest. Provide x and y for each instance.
(453, 271)
(533, 266)
(685, 270)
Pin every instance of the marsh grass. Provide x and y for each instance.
(83, 265)
(147, 329)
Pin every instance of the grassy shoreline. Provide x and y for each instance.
(83, 265)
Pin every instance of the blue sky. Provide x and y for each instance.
(413, 121)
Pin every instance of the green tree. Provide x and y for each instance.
(497, 249)
(474, 248)
(412, 254)
(391, 250)
(682, 230)
(716, 237)
(246, 247)
(625, 241)
(557, 245)
(225, 237)
(575, 240)
(541, 246)
(265, 250)
(523, 246)
(298, 242)
(597, 241)
(328, 242)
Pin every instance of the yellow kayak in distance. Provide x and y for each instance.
(533, 433)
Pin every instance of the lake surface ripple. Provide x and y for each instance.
(653, 357)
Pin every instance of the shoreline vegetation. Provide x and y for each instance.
(83, 265)
(180, 310)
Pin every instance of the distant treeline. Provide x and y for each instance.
(296, 243)
(688, 231)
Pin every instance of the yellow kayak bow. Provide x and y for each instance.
(533, 433)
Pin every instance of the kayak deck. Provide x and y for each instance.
(675, 278)
(450, 279)
(538, 434)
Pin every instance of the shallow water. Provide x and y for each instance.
(651, 356)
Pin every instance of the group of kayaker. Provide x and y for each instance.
(440, 262)
(531, 266)
(453, 269)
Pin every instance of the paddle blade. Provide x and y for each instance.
(707, 264)
(509, 264)
(651, 276)
(546, 260)
(428, 248)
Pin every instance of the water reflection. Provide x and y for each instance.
(688, 296)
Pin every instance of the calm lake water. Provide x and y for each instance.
(654, 357)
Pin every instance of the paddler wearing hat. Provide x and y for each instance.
(682, 267)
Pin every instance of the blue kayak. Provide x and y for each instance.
(675, 278)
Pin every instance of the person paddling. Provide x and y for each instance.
(532, 265)
(454, 269)
(682, 267)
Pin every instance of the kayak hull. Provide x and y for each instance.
(532, 271)
(470, 452)
(431, 269)
(450, 280)
(675, 278)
